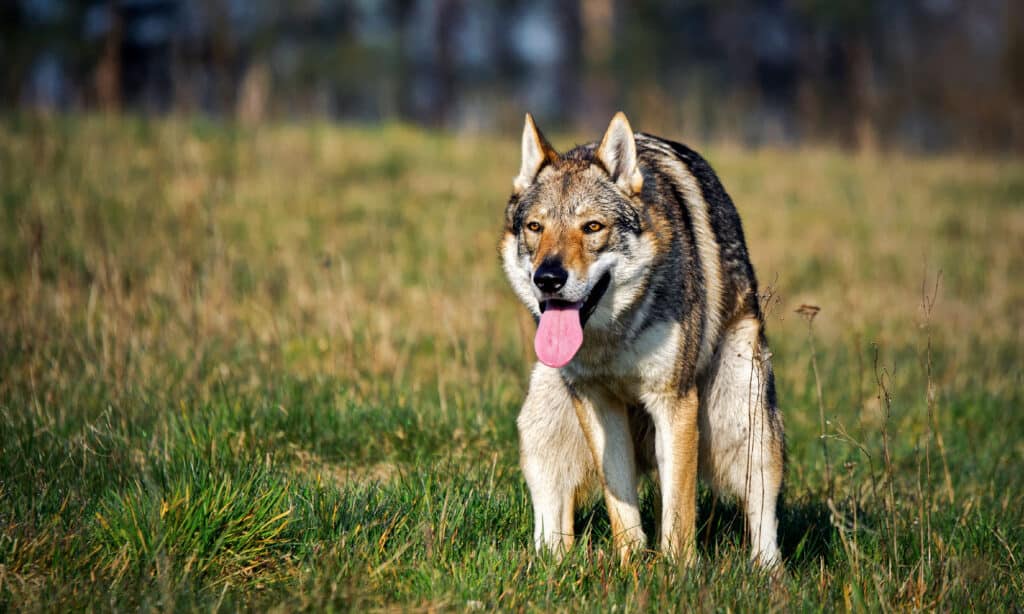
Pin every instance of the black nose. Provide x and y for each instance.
(550, 276)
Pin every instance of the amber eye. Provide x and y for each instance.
(534, 227)
(592, 227)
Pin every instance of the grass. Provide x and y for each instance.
(279, 368)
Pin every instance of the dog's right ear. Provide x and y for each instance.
(536, 153)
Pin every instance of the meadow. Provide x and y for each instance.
(278, 368)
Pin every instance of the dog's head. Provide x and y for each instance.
(574, 246)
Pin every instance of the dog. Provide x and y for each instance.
(650, 337)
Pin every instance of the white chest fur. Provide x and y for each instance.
(646, 364)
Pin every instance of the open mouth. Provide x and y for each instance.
(589, 305)
(560, 328)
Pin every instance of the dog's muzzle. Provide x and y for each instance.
(589, 304)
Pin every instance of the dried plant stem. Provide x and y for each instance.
(885, 401)
(927, 305)
(808, 312)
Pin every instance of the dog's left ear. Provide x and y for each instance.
(617, 152)
(536, 153)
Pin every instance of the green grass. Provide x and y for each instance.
(279, 368)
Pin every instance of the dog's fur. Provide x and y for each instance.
(674, 368)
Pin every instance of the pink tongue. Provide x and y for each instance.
(559, 335)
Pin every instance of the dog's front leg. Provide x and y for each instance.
(676, 448)
(605, 425)
(554, 456)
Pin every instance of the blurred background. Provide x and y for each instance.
(918, 75)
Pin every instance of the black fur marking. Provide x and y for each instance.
(595, 297)
(726, 225)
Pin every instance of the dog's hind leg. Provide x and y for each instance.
(741, 440)
(555, 458)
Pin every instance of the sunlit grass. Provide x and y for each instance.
(280, 366)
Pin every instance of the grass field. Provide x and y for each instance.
(280, 367)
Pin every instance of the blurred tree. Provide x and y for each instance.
(107, 76)
(848, 64)
(1013, 64)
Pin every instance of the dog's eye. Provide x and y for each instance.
(534, 227)
(592, 227)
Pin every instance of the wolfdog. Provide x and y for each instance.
(650, 338)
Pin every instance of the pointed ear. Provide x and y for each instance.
(536, 153)
(617, 152)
